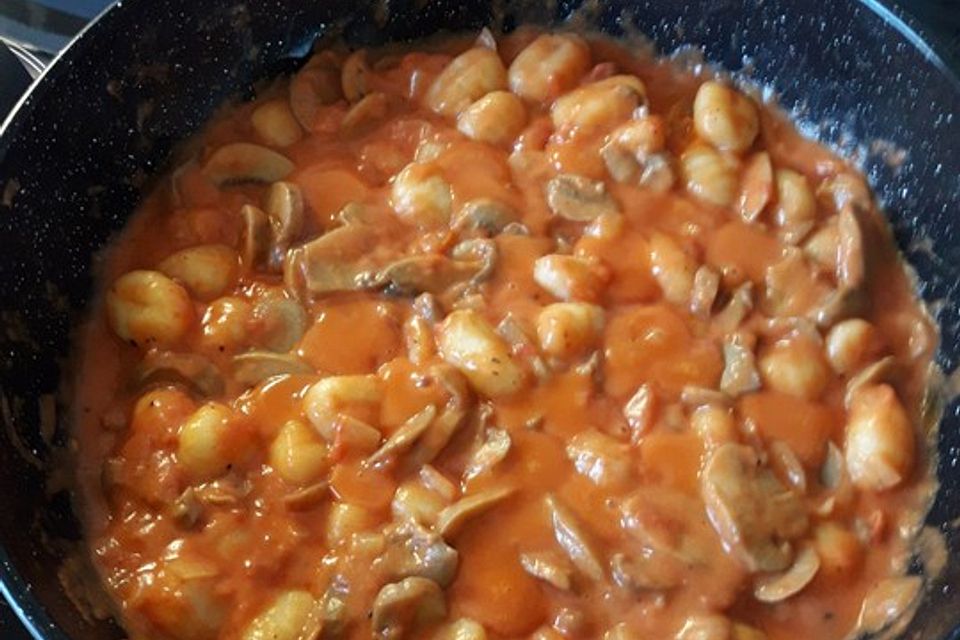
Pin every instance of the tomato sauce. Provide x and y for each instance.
(502, 344)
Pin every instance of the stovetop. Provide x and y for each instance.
(49, 25)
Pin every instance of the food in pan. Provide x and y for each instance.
(507, 338)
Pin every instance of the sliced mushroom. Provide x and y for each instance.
(573, 539)
(413, 550)
(756, 188)
(737, 309)
(601, 458)
(643, 573)
(190, 369)
(640, 411)
(255, 237)
(281, 322)
(404, 437)
(786, 462)
(516, 229)
(254, 367)
(427, 274)
(315, 85)
(418, 338)
(187, 509)
(352, 434)
(366, 114)
(833, 471)
(579, 199)
(339, 260)
(480, 251)
(887, 602)
(790, 285)
(706, 285)
(446, 424)
(494, 449)
(246, 162)
(521, 344)
(402, 607)
(851, 263)
(308, 497)
(693, 396)
(438, 483)
(549, 567)
(354, 77)
(884, 370)
(669, 524)
(779, 587)
(452, 519)
(225, 492)
(284, 206)
(840, 304)
(740, 373)
(651, 170)
(750, 509)
(484, 215)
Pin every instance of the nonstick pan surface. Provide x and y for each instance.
(76, 154)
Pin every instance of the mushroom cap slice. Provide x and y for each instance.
(190, 369)
(284, 206)
(579, 199)
(573, 539)
(413, 550)
(779, 587)
(887, 603)
(339, 260)
(426, 274)
(750, 509)
(470, 261)
(451, 416)
(315, 85)
(246, 162)
(404, 437)
(281, 322)
(255, 237)
(254, 367)
(494, 449)
(452, 518)
(401, 607)
(486, 215)
(549, 567)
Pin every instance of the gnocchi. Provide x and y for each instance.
(549, 66)
(879, 445)
(468, 342)
(497, 118)
(470, 76)
(724, 117)
(147, 307)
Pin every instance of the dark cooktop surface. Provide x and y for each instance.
(49, 24)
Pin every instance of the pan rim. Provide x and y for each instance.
(15, 590)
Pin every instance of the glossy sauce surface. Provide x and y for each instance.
(525, 339)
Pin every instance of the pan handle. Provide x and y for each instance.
(33, 62)
(16, 79)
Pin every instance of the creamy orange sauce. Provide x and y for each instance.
(198, 541)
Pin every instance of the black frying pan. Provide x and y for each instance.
(103, 119)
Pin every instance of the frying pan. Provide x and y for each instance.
(76, 154)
